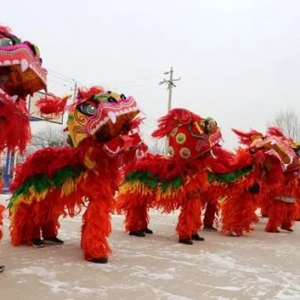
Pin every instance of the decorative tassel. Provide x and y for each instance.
(51, 104)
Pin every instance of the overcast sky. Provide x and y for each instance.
(238, 60)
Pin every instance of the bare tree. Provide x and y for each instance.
(48, 137)
(157, 147)
(288, 121)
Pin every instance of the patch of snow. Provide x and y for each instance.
(226, 288)
(139, 271)
(55, 285)
(34, 270)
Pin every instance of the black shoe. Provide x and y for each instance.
(209, 228)
(186, 241)
(1, 268)
(99, 260)
(37, 243)
(197, 237)
(147, 230)
(287, 229)
(138, 233)
(53, 241)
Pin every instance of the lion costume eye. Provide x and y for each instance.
(6, 42)
(88, 108)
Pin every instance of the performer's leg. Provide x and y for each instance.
(255, 218)
(95, 230)
(22, 227)
(187, 219)
(49, 233)
(276, 216)
(144, 219)
(197, 221)
(137, 220)
(297, 208)
(265, 208)
(289, 217)
(237, 213)
(209, 216)
(230, 216)
(36, 237)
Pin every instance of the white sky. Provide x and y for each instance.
(238, 60)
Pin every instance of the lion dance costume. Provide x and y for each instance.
(21, 74)
(272, 163)
(171, 182)
(279, 202)
(54, 182)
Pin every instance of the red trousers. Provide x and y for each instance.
(46, 231)
(210, 214)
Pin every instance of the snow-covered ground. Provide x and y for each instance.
(259, 265)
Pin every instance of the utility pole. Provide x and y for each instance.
(171, 85)
(75, 91)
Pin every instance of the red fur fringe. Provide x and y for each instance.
(238, 209)
(275, 131)
(297, 210)
(2, 209)
(15, 130)
(246, 138)
(97, 189)
(237, 213)
(51, 104)
(173, 119)
(85, 94)
(5, 29)
(96, 219)
(136, 203)
(45, 161)
(280, 214)
(189, 220)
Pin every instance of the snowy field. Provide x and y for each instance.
(259, 265)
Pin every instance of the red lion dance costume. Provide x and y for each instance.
(279, 203)
(270, 158)
(171, 182)
(21, 74)
(53, 182)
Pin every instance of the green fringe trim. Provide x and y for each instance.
(229, 177)
(41, 182)
(174, 184)
(152, 181)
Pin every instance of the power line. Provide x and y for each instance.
(59, 83)
(59, 78)
(61, 75)
(65, 78)
(137, 79)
